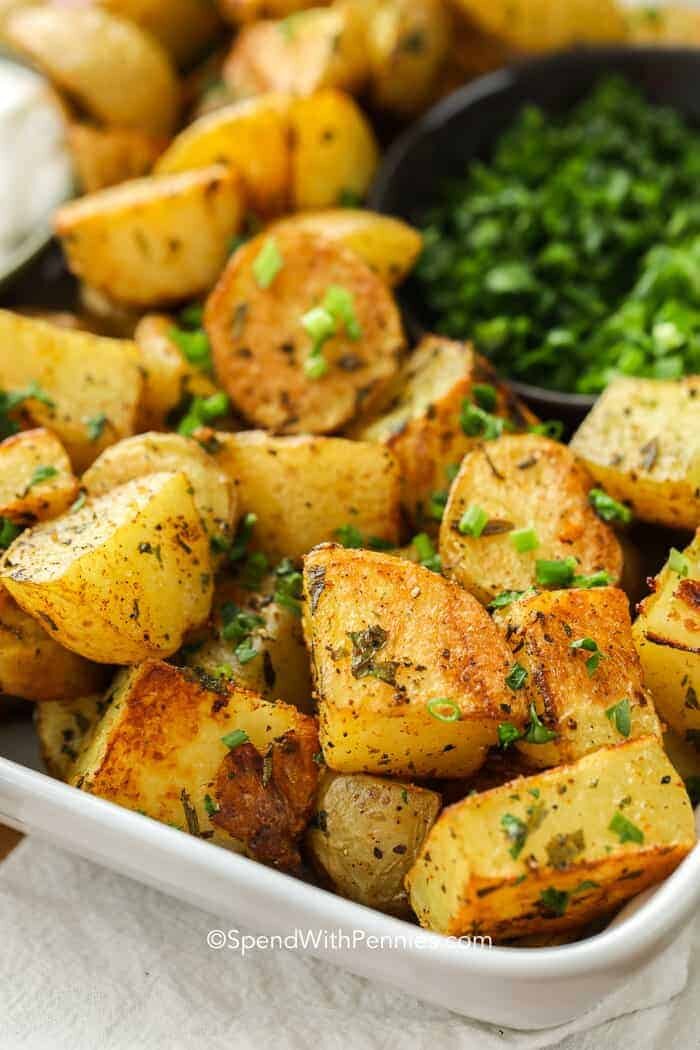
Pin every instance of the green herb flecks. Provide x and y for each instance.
(620, 715)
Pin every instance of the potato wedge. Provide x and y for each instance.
(641, 442)
(36, 479)
(389, 246)
(183, 27)
(667, 636)
(505, 479)
(63, 727)
(35, 667)
(261, 347)
(577, 649)
(409, 671)
(153, 240)
(540, 25)
(81, 49)
(253, 136)
(177, 771)
(86, 389)
(553, 851)
(365, 835)
(335, 153)
(409, 42)
(423, 424)
(104, 157)
(169, 380)
(123, 577)
(303, 489)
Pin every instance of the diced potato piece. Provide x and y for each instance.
(422, 427)
(506, 479)
(153, 240)
(123, 577)
(335, 154)
(261, 348)
(552, 851)
(183, 27)
(303, 489)
(409, 671)
(114, 71)
(667, 636)
(666, 24)
(641, 442)
(62, 728)
(589, 697)
(389, 246)
(540, 25)
(89, 386)
(35, 667)
(169, 380)
(366, 834)
(252, 135)
(176, 771)
(104, 157)
(409, 41)
(36, 480)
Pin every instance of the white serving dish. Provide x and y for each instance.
(521, 988)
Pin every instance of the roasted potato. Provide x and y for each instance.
(641, 442)
(84, 388)
(303, 489)
(365, 835)
(667, 24)
(409, 42)
(423, 425)
(263, 335)
(174, 746)
(153, 240)
(552, 851)
(121, 578)
(169, 380)
(36, 479)
(409, 671)
(389, 246)
(576, 647)
(183, 27)
(238, 11)
(505, 480)
(540, 25)
(667, 636)
(63, 727)
(104, 157)
(115, 72)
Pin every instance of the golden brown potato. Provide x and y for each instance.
(168, 741)
(36, 479)
(303, 489)
(253, 136)
(183, 27)
(663, 25)
(667, 636)
(422, 426)
(685, 759)
(62, 727)
(263, 318)
(553, 851)
(238, 11)
(641, 442)
(576, 647)
(499, 492)
(366, 834)
(409, 670)
(389, 246)
(409, 41)
(115, 72)
(84, 388)
(104, 157)
(169, 380)
(540, 25)
(153, 240)
(35, 667)
(121, 578)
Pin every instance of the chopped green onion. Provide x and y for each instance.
(340, 304)
(444, 710)
(516, 677)
(193, 345)
(268, 263)
(559, 573)
(505, 598)
(507, 734)
(437, 502)
(485, 396)
(678, 562)
(203, 410)
(552, 428)
(235, 738)
(427, 555)
(608, 508)
(8, 532)
(477, 423)
(245, 651)
(210, 806)
(40, 475)
(524, 540)
(95, 426)
(473, 521)
(350, 537)
(596, 579)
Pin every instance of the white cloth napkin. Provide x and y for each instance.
(89, 959)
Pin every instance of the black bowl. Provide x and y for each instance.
(466, 124)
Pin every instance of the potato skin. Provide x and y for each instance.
(183, 27)
(107, 156)
(63, 727)
(169, 380)
(641, 442)
(507, 477)
(259, 344)
(409, 42)
(23, 500)
(387, 637)
(539, 25)
(471, 878)
(365, 835)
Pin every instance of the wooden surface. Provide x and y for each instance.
(8, 840)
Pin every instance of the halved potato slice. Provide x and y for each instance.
(36, 479)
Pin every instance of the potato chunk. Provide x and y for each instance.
(123, 577)
(667, 636)
(153, 240)
(366, 834)
(409, 43)
(36, 479)
(168, 741)
(641, 442)
(87, 388)
(104, 157)
(409, 671)
(169, 380)
(506, 479)
(258, 319)
(577, 648)
(553, 851)
(183, 27)
(63, 727)
(303, 489)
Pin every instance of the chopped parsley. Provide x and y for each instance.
(10, 400)
(444, 710)
(625, 830)
(508, 734)
(8, 532)
(427, 555)
(516, 677)
(40, 475)
(289, 586)
(505, 598)
(554, 901)
(619, 714)
(203, 410)
(678, 562)
(515, 831)
(589, 645)
(537, 732)
(609, 509)
(476, 422)
(351, 537)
